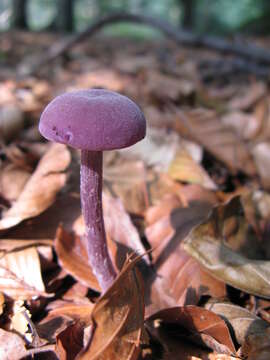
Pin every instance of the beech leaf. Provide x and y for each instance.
(72, 256)
(41, 188)
(118, 319)
(184, 168)
(206, 244)
(221, 140)
(179, 279)
(204, 325)
(243, 322)
(20, 274)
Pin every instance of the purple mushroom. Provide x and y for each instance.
(93, 121)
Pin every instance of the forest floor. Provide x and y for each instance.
(195, 191)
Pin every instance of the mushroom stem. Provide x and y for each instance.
(91, 202)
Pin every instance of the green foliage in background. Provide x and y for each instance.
(209, 16)
(226, 16)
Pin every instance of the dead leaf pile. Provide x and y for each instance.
(186, 211)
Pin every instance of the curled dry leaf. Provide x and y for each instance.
(202, 326)
(118, 319)
(164, 149)
(63, 313)
(242, 321)
(41, 189)
(179, 279)
(20, 274)
(79, 312)
(184, 168)
(120, 228)
(9, 245)
(251, 276)
(205, 127)
(206, 244)
(12, 181)
(160, 185)
(157, 149)
(72, 256)
(136, 187)
(177, 348)
(128, 181)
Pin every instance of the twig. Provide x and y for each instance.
(248, 51)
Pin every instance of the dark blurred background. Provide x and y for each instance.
(220, 17)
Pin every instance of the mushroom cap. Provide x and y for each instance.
(93, 120)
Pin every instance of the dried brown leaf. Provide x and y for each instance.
(12, 181)
(176, 348)
(179, 280)
(70, 342)
(62, 314)
(184, 168)
(118, 319)
(203, 327)
(242, 321)
(41, 189)
(121, 230)
(9, 245)
(72, 256)
(128, 181)
(162, 86)
(20, 274)
(204, 127)
(79, 312)
(207, 244)
(248, 97)
(157, 149)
